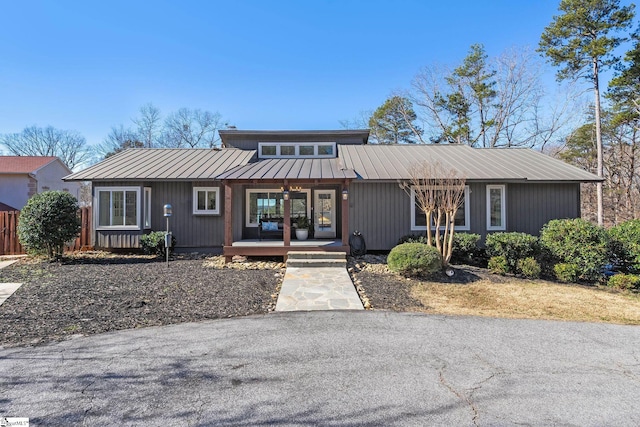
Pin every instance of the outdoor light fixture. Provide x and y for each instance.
(167, 237)
(285, 194)
(345, 194)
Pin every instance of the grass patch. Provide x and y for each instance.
(528, 299)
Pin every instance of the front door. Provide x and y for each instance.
(324, 216)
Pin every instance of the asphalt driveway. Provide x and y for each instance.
(332, 368)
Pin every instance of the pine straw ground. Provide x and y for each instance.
(97, 292)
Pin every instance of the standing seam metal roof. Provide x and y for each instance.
(290, 169)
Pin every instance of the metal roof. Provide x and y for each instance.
(164, 164)
(392, 162)
(291, 169)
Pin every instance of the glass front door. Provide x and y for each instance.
(324, 216)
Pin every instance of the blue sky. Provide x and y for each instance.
(89, 65)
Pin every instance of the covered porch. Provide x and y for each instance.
(276, 190)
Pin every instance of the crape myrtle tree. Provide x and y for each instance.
(439, 193)
(48, 222)
(581, 42)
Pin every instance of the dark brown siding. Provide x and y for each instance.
(251, 143)
(530, 206)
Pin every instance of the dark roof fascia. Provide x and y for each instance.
(233, 133)
(288, 180)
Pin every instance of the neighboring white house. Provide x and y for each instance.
(23, 176)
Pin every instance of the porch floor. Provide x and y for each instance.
(294, 243)
(255, 247)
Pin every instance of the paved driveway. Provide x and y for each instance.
(332, 368)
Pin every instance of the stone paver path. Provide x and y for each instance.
(7, 289)
(317, 288)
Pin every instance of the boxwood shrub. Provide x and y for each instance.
(529, 268)
(414, 259)
(153, 243)
(624, 281)
(498, 265)
(512, 246)
(625, 245)
(578, 242)
(566, 272)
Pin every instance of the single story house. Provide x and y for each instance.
(247, 197)
(23, 176)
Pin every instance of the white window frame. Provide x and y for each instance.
(197, 211)
(503, 207)
(147, 208)
(467, 211)
(297, 146)
(96, 203)
(269, 190)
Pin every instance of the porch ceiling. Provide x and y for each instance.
(290, 169)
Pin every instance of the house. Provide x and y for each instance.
(23, 176)
(246, 198)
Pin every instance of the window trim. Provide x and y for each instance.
(248, 192)
(197, 211)
(96, 203)
(467, 213)
(297, 154)
(147, 208)
(503, 207)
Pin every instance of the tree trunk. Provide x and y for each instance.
(596, 91)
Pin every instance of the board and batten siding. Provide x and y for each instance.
(191, 231)
(530, 206)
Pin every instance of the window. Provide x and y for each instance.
(320, 150)
(206, 200)
(269, 204)
(461, 221)
(118, 207)
(147, 207)
(496, 209)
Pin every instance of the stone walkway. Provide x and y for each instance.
(7, 289)
(317, 288)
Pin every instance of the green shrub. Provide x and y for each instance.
(412, 238)
(578, 242)
(498, 264)
(511, 246)
(566, 272)
(48, 222)
(625, 245)
(529, 268)
(414, 259)
(153, 243)
(465, 248)
(624, 281)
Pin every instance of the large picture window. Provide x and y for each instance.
(118, 207)
(496, 209)
(461, 221)
(269, 204)
(206, 200)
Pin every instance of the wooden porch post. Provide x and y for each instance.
(228, 230)
(345, 215)
(287, 218)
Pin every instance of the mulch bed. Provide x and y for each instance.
(90, 295)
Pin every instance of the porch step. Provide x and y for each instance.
(316, 259)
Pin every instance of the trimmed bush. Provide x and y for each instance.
(465, 249)
(412, 238)
(578, 242)
(625, 245)
(153, 243)
(414, 259)
(624, 281)
(567, 273)
(512, 246)
(529, 268)
(498, 265)
(48, 222)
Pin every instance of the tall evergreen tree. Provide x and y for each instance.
(393, 122)
(580, 42)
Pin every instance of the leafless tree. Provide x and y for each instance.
(148, 125)
(67, 145)
(119, 139)
(439, 193)
(192, 129)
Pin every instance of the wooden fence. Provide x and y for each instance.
(9, 244)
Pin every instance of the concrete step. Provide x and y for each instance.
(315, 255)
(304, 263)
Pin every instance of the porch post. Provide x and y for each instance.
(228, 231)
(345, 215)
(287, 219)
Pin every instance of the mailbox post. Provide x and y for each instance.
(167, 237)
